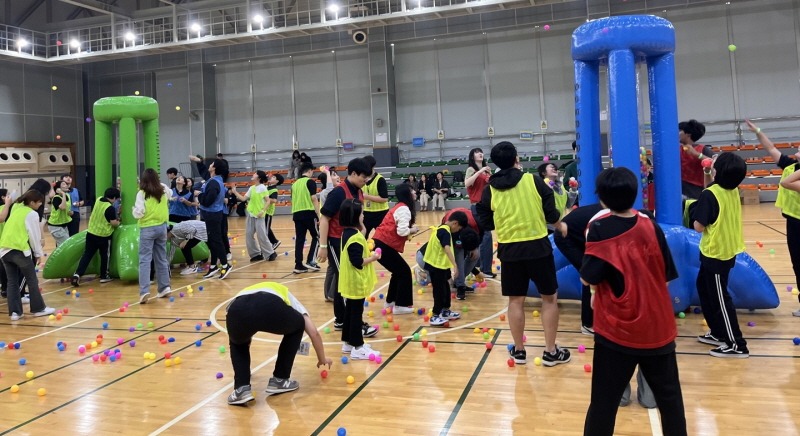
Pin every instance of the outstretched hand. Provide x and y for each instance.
(753, 128)
(327, 362)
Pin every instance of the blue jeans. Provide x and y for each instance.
(153, 246)
(486, 248)
(464, 264)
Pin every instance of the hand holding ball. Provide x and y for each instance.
(706, 163)
(378, 252)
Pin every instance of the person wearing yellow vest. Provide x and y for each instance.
(356, 279)
(258, 246)
(60, 213)
(102, 223)
(6, 202)
(376, 198)
(152, 210)
(268, 307)
(305, 207)
(275, 180)
(549, 173)
(788, 198)
(717, 214)
(518, 206)
(439, 262)
(22, 237)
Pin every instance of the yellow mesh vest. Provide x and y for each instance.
(271, 207)
(518, 213)
(372, 189)
(788, 200)
(58, 216)
(278, 288)
(356, 283)
(301, 198)
(15, 235)
(255, 205)
(434, 254)
(723, 240)
(98, 225)
(156, 212)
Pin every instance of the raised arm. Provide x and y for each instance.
(764, 140)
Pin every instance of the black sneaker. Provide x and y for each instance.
(368, 331)
(489, 275)
(561, 355)
(212, 271)
(76, 280)
(338, 326)
(461, 293)
(312, 266)
(273, 256)
(105, 279)
(300, 270)
(520, 356)
(224, 271)
(256, 258)
(276, 245)
(734, 352)
(710, 339)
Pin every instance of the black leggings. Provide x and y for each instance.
(262, 312)
(214, 222)
(400, 291)
(95, 244)
(187, 251)
(352, 332)
(793, 241)
(301, 226)
(270, 234)
(611, 374)
(441, 288)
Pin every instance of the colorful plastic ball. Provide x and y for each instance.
(731, 48)
(366, 303)
(416, 336)
(424, 344)
(14, 389)
(486, 335)
(751, 324)
(324, 373)
(103, 357)
(681, 315)
(113, 358)
(219, 375)
(535, 313)
(59, 316)
(502, 317)
(431, 348)
(41, 392)
(587, 368)
(341, 432)
(177, 360)
(697, 310)
(23, 361)
(399, 338)
(171, 299)
(380, 296)
(221, 348)
(61, 347)
(150, 325)
(68, 293)
(489, 345)
(510, 362)
(378, 359)
(17, 345)
(524, 338)
(796, 341)
(510, 347)
(372, 357)
(51, 317)
(198, 343)
(546, 27)
(29, 374)
(344, 360)
(385, 324)
(171, 340)
(132, 344)
(198, 327)
(350, 379)
(581, 348)
(81, 349)
(181, 295)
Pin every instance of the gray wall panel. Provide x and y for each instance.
(415, 80)
(172, 89)
(38, 94)
(11, 88)
(514, 83)
(462, 88)
(354, 96)
(273, 104)
(314, 94)
(13, 127)
(559, 82)
(39, 128)
(235, 125)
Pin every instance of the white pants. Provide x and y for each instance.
(438, 201)
(256, 230)
(423, 199)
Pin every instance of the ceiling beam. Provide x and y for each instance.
(98, 6)
(27, 13)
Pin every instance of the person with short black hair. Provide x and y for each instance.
(633, 320)
(275, 180)
(466, 258)
(440, 189)
(330, 179)
(440, 264)
(258, 245)
(376, 197)
(102, 223)
(60, 213)
(212, 212)
(549, 173)
(518, 206)
(356, 278)
(74, 226)
(717, 214)
(693, 179)
(391, 235)
(181, 200)
(172, 174)
(331, 231)
(304, 214)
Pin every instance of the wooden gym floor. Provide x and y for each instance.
(459, 389)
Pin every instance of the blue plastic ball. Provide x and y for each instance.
(67, 293)
(208, 323)
(380, 296)
(198, 343)
(17, 345)
(113, 358)
(171, 340)
(105, 326)
(23, 361)
(498, 268)
(200, 288)
(58, 344)
(796, 341)
(510, 347)
(366, 303)
(344, 360)
(77, 294)
(697, 310)
(2, 344)
(61, 347)
(341, 432)
(286, 253)
(198, 327)
(171, 299)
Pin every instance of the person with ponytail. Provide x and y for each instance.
(391, 235)
(152, 211)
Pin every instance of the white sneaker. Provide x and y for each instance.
(363, 352)
(388, 305)
(164, 292)
(26, 300)
(45, 312)
(420, 275)
(189, 270)
(346, 348)
(15, 317)
(402, 310)
(143, 298)
(796, 312)
(229, 257)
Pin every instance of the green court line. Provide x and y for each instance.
(352, 396)
(35, 418)
(468, 388)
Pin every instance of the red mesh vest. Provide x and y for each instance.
(387, 231)
(475, 191)
(691, 170)
(334, 229)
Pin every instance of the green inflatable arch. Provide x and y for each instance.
(124, 259)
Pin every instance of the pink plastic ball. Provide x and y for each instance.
(581, 349)
(546, 27)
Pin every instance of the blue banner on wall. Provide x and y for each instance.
(418, 142)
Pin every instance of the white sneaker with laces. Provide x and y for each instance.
(346, 348)
(26, 300)
(388, 305)
(796, 312)
(164, 292)
(402, 310)
(189, 270)
(45, 312)
(143, 298)
(16, 317)
(363, 352)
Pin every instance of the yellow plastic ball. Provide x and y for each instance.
(41, 392)
(535, 313)
(14, 389)
(51, 317)
(795, 292)
(168, 362)
(537, 361)
(177, 360)
(146, 355)
(135, 92)
(476, 330)
(94, 344)
(370, 314)
(74, 292)
(29, 374)
(350, 379)
(421, 291)
(423, 332)
(491, 332)
(177, 108)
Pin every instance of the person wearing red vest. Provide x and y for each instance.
(330, 231)
(391, 236)
(476, 180)
(633, 316)
(693, 179)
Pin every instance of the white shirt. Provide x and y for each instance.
(34, 236)
(402, 218)
(138, 205)
(257, 189)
